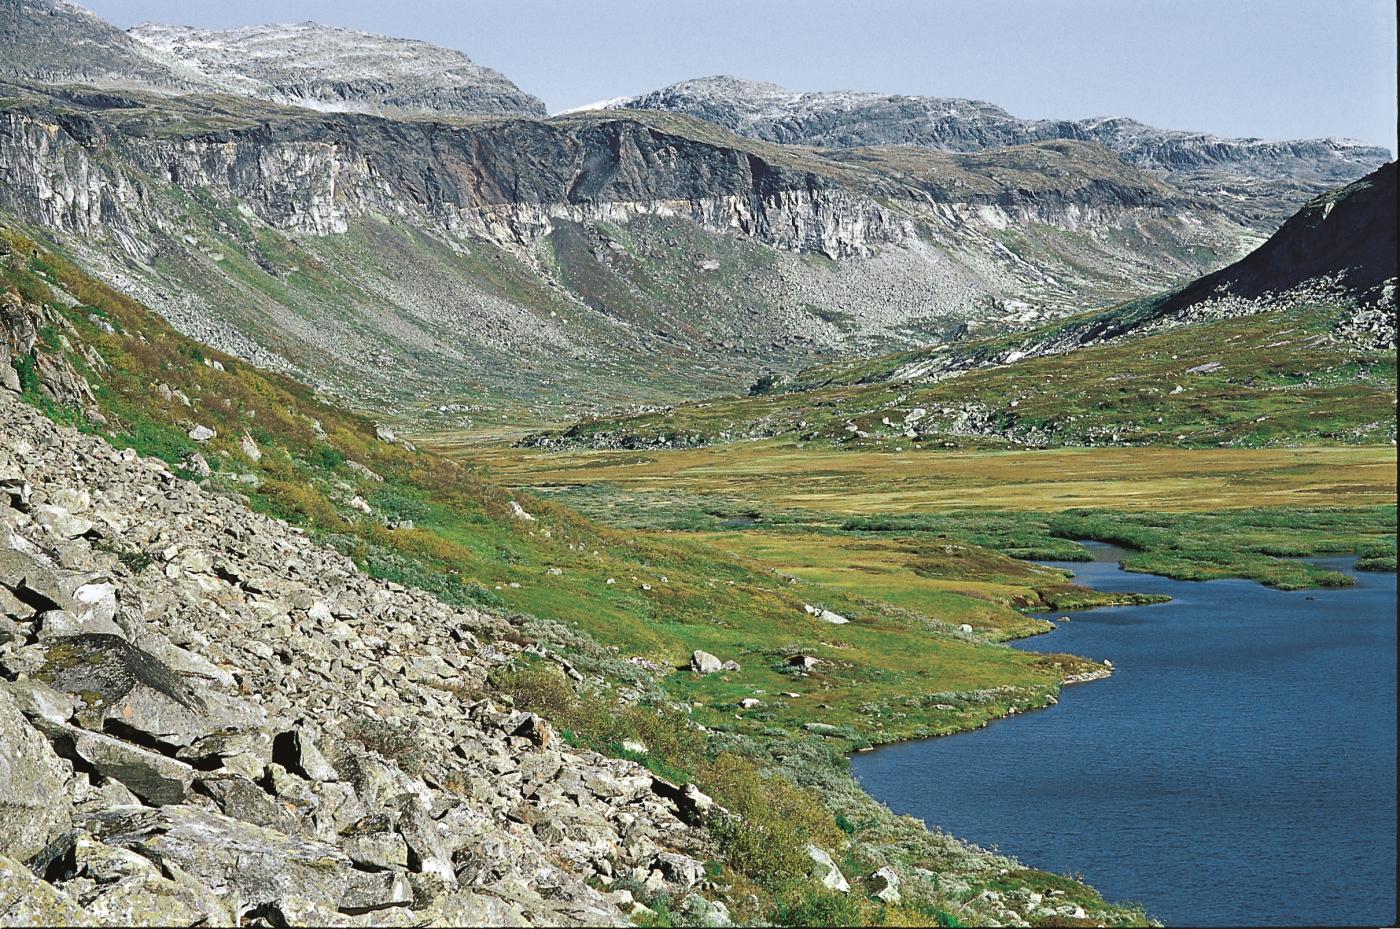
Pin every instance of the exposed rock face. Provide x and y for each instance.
(446, 254)
(327, 68)
(265, 736)
(510, 182)
(1274, 177)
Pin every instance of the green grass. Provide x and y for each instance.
(669, 595)
(1279, 381)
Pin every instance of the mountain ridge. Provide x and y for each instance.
(302, 64)
(1239, 168)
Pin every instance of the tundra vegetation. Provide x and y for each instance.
(601, 595)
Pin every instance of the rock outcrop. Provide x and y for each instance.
(302, 64)
(1269, 178)
(327, 68)
(208, 719)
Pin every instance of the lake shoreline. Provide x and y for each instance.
(1173, 703)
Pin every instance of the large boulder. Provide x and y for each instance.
(153, 777)
(704, 663)
(25, 900)
(250, 866)
(825, 870)
(34, 806)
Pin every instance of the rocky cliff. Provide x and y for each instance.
(393, 258)
(1267, 179)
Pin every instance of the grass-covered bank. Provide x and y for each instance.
(600, 596)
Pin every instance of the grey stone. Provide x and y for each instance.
(34, 805)
(251, 865)
(25, 900)
(153, 777)
(824, 869)
(885, 885)
(702, 662)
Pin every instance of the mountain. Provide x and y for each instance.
(318, 67)
(1260, 181)
(340, 70)
(585, 261)
(56, 42)
(264, 663)
(1292, 344)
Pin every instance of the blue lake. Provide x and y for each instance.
(1238, 768)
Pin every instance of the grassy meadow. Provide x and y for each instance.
(626, 607)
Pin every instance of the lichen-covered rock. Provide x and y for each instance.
(25, 900)
(34, 803)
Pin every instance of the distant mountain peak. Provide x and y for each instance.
(335, 68)
(302, 64)
(1266, 180)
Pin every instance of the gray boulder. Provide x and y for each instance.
(885, 885)
(34, 806)
(704, 663)
(824, 869)
(25, 900)
(153, 777)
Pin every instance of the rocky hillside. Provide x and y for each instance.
(305, 64)
(57, 42)
(249, 728)
(1261, 181)
(1293, 344)
(575, 263)
(341, 70)
(610, 638)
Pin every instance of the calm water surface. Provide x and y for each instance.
(1237, 769)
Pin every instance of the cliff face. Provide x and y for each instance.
(387, 257)
(1266, 180)
(509, 182)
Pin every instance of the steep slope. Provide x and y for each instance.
(342, 70)
(1294, 343)
(305, 64)
(574, 263)
(57, 42)
(331, 663)
(1260, 181)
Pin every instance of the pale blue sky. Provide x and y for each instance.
(1270, 68)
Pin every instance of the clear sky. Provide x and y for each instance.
(1269, 68)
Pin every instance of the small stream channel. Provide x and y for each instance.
(1239, 767)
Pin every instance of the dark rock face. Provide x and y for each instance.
(1348, 234)
(1272, 177)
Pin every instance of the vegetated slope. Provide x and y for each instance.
(577, 263)
(1260, 181)
(1294, 343)
(620, 614)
